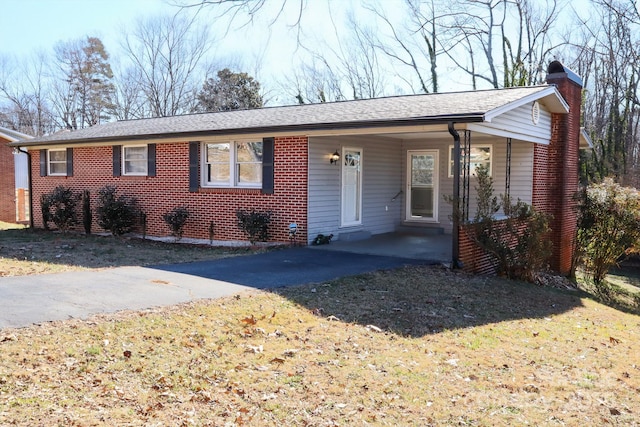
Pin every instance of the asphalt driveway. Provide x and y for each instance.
(25, 300)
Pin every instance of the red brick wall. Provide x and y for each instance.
(170, 188)
(476, 260)
(7, 183)
(554, 191)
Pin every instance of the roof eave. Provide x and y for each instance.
(266, 130)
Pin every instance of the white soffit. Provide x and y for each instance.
(479, 127)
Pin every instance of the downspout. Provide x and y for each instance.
(455, 247)
(30, 185)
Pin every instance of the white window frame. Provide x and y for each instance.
(49, 162)
(124, 160)
(234, 169)
(473, 164)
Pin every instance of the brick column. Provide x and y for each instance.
(562, 159)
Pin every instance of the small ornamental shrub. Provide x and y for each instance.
(60, 207)
(608, 228)
(86, 211)
(518, 242)
(118, 214)
(45, 205)
(176, 219)
(254, 224)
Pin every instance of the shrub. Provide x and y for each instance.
(60, 207)
(117, 214)
(86, 211)
(517, 242)
(254, 224)
(45, 205)
(608, 227)
(176, 219)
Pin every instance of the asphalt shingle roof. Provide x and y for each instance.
(469, 106)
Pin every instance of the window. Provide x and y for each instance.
(479, 155)
(233, 164)
(134, 160)
(57, 162)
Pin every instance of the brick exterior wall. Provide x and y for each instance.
(93, 170)
(554, 191)
(476, 260)
(7, 183)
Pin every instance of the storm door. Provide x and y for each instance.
(422, 185)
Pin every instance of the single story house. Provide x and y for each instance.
(14, 187)
(352, 168)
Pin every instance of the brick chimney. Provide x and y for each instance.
(561, 156)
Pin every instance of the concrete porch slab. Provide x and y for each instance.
(435, 248)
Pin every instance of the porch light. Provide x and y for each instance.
(334, 157)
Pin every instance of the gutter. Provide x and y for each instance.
(455, 247)
(30, 185)
(268, 130)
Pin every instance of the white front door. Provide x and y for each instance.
(351, 203)
(422, 185)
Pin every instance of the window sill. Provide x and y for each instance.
(230, 190)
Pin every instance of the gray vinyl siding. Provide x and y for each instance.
(518, 122)
(381, 181)
(21, 170)
(384, 176)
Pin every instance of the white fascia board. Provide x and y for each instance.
(585, 141)
(548, 96)
(12, 135)
(474, 127)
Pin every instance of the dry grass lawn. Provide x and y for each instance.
(24, 252)
(417, 346)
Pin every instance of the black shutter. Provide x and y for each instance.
(267, 165)
(117, 160)
(194, 148)
(69, 161)
(151, 160)
(43, 162)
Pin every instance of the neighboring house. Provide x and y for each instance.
(14, 180)
(351, 169)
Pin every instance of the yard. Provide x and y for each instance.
(415, 346)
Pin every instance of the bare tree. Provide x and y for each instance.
(128, 98)
(499, 42)
(24, 87)
(607, 55)
(166, 51)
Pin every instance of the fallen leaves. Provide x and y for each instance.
(268, 359)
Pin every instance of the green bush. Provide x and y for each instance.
(60, 207)
(117, 214)
(254, 224)
(608, 227)
(176, 219)
(517, 243)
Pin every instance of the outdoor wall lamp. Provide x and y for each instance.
(334, 157)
